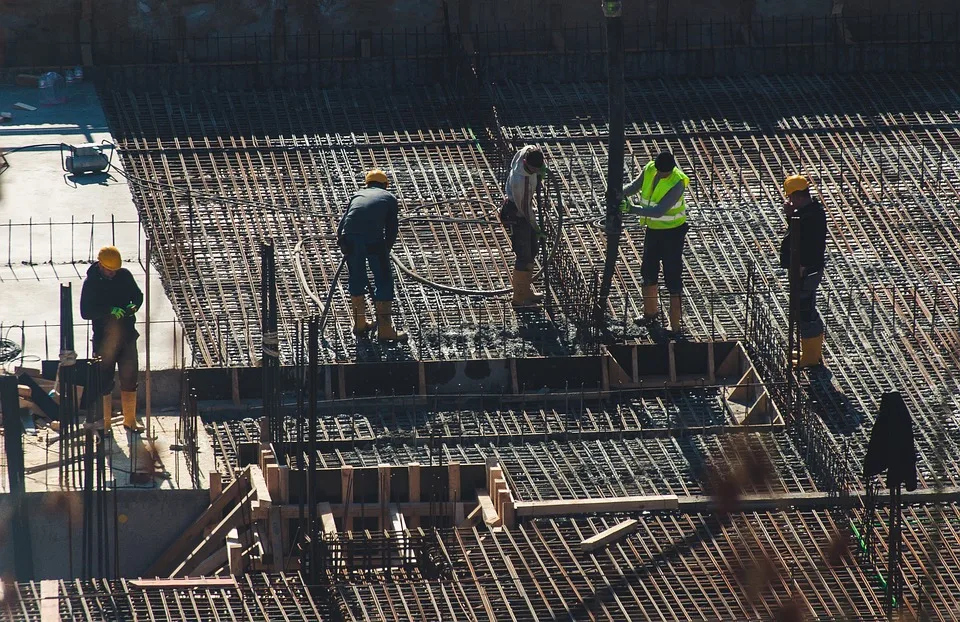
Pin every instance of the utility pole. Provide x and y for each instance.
(613, 223)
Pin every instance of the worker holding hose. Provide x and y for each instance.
(110, 299)
(803, 253)
(663, 210)
(527, 170)
(366, 235)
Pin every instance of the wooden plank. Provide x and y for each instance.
(272, 474)
(216, 485)
(672, 360)
(327, 520)
(275, 527)
(383, 480)
(410, 511)
(397, 522)
(487, 509)
(200, 582)
(587, 506)
(473, 518)
(284, 484)
(413, 487)
(346, 484)
(608, 536)
(261, 492)
(453, 477)
(50, 600)
(183, 544)
(209, 566)
(234, 518)
(234, 552)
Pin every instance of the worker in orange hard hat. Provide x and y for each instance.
(366, 235)
(110, 299)
(803, 254)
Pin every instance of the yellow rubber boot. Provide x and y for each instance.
(811, 352)
(360, 324)
(523, 293)
(675, 312)
(385, 329)
(128, 402)
(651, 302)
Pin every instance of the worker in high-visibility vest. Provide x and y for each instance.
(663, 210)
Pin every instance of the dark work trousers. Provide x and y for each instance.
(359, 258)
(811, 324)
(525, 244)
(117, 349)
(664, 246)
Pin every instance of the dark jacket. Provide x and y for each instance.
(810, 230)
(100, 295)
(373, 216)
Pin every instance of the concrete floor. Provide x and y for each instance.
(52, 225)
(163, 468)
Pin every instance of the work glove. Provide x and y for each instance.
(625, 206)
(540, 235)
(544, 172)
(118, 312)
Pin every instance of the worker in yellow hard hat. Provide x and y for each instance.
(110, 299)
(366, 235)
(803, 254)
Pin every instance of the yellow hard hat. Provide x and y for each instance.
(109, 258)
(376, 176)
(795, 183)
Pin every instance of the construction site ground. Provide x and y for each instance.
(52, 224)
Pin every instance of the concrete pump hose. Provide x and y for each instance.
(325, 305)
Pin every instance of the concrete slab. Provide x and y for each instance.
(161, 459)
(52, 225)
(148, 522)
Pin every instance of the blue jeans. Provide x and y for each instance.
(358, 259)
(811, 324)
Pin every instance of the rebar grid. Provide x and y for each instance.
(207, 206)
(608, 454)
(884, 156)
(769, 565)
(257, 597)
(918, 524)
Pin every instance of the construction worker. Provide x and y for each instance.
(807, 237)
(663, 210)
(367, 232)
(110, 299)
(527, 170)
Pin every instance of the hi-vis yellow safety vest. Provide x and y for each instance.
(649, 197)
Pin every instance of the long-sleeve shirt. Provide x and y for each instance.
(654, 211)
(372, 214)
(521, 186)
(100, 294)
(810, 230)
